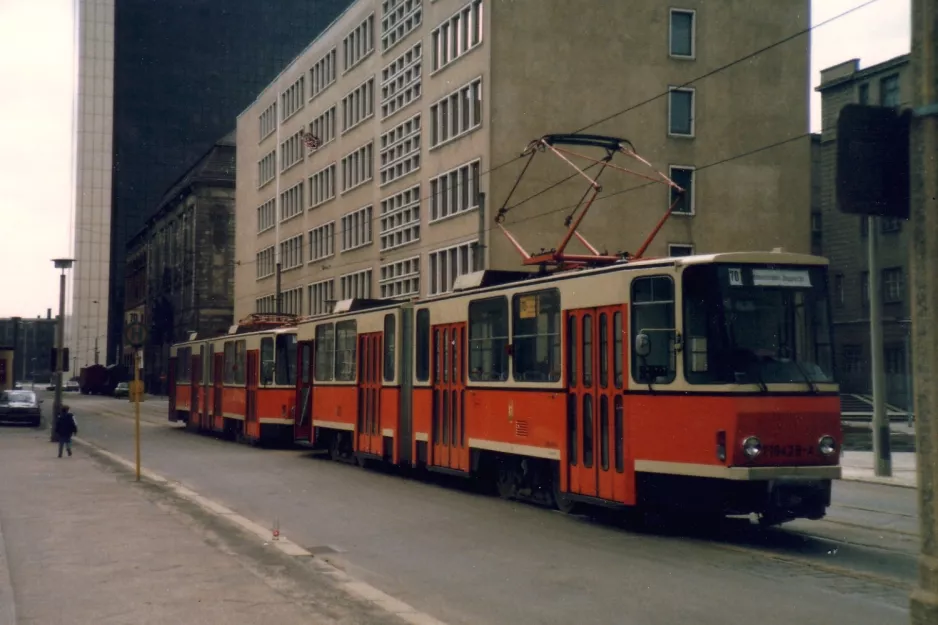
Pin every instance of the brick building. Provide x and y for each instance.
(179, 270)
(845, 242)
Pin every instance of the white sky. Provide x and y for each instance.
(36, 86)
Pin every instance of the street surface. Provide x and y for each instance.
(467, 559)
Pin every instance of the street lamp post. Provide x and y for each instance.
(63, 264)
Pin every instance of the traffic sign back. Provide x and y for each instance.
(136, 334)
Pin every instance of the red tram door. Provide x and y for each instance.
(195, 378)
(207, 393)
(303, 417)
(218, 372)
(251, 426)
(368, 430)
(448, 424)
(596, 445)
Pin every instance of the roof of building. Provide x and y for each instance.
(215, 167)
(849, 71)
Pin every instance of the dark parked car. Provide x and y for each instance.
(20, 406)
(122, 389)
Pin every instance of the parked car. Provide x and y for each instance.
(50, 386)
(122, 389)
(71, 386)
(20, 406)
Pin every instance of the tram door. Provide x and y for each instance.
(251, 426)
(303, 418)
(206, 374)
(448, 422)
(195, 405)
(368, 428)
(596, 421)
(218, 382)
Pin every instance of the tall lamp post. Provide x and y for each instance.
(63, 264)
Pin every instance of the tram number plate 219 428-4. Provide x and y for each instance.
(788, 451)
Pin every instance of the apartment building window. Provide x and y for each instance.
(322, 242)
(322, 186)
(293, 301)
(681, 112)
(321, 297)
(359, 43)
(358, 167)
(893, 285)
(400, 150)
(267, 168)
(889, 91)
(266, 304)
(265, 263)
(683, 176)
(400, 18)
(266, 215)
(457, 35)
(457, 114)
(455, 191)
(356, 285)
(400, 278)
(680, 249)
(358, 105)
(852, 357)
(291, 202)
(323, 127)
(448, 264)
(839, 290)
(863, 93)
(291, 253)
(294, 98)
(356, 229)
(322, 74)
(291, 151)
(400, 81)
(890, 224)
(268, 121)
(400, 219)
(682, 33)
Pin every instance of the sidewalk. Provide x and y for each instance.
(858, 467)
(84, 544)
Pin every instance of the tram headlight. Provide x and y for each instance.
(752, 447)
(827, 445)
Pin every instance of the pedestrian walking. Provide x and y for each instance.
(65, 428)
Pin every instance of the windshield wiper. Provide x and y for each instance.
(804, 374)
(762, 385)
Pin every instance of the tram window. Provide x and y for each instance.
(304, 365)
(239, 364)
(535, 336)
(588, 431)
(604, 432)
(488, 340)
(617, 346)
(345, 337)
(572, 439)
(183, 363)
(619, 435)
(325, 353)
(423, 345)
(603, 350)
(653, 314)
(286, 359)
(229, 362)
(389, 342)
(267, 358)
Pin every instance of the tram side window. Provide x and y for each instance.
(423, 345)
(345, 336)
(325, 353)
(488, 340)
(653, 315)
(286, 359)
(229, 362)
(389, 343)
(239, 363)
(535, 336)
(183, 364)
(267, 359)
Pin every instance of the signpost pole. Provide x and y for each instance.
(137, 409)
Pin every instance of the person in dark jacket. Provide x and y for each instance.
(65, 428)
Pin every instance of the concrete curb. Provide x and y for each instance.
(881, 481)
(7, 603)
(344, 582)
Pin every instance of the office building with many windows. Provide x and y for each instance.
(417, 110)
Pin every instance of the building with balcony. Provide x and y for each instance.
(420, 109)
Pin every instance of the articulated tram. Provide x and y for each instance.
(699, 384)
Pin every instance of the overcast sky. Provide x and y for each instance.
(36, 87)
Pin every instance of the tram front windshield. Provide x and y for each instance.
(758, 324)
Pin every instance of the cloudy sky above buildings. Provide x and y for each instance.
(36, 74)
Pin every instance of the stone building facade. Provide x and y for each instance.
(179, 273)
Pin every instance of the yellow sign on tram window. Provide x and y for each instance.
(527, 307)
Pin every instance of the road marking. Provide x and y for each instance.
(351, 586)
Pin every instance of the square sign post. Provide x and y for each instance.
(136, 335)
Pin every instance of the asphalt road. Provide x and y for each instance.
(469, 559)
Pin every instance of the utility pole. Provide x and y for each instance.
(923, 290)
(880, 425)
(63, 264)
